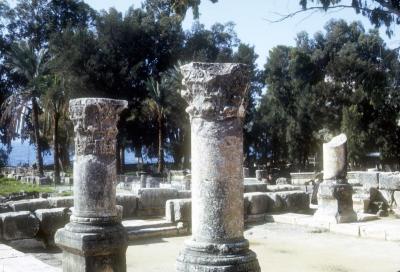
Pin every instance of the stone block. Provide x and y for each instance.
(294, 200)
(255, 187)
(129, 204)
(386, 196)
(389, 181)
(258, 203)
(50, 220)
(246, 172)
(152, 200)
(302, 178)
(281, 181)
(184, 194)
(68, 181)
(61, 201)
(178, 210)
(42, 181)
(181, 184)
(101, 251)
(396, 198)
(276, 204)
(153, 182)
(30, 205)
(5, 208)
(18, 225)
(250, 180)
(366, 179)
(361, 202)
(281, 188)
(261, 174)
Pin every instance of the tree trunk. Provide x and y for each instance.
(122, 158)
(160, 145)
(64, 155)
(35, 123)
(187, 149)
(118, 158)
(56, 150)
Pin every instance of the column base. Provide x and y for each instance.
(335, 203)
(224, 257)
(98, 249)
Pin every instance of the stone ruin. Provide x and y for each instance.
(335, 203)
(95, 239)
(224, 196)
(215, 94)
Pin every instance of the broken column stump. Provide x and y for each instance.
(335, 203)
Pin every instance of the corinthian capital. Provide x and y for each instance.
(215, 91)
(95, 124)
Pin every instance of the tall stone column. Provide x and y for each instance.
(94, 240)
(215, 93)
(335, 203)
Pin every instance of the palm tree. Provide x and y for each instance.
(156, 105)
(55, 102)
(30, 64)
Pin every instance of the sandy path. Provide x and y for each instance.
(283, 248)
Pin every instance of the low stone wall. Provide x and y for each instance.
(276, 202)
(373, 192)
(152, 200)
(27, 175)
(302, 178)
(256, 203)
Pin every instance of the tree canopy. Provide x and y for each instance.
(343, 80)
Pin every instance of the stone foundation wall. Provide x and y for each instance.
(255, 203)
(28, 175)
(373, 192)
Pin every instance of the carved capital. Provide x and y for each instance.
(95, 124)
(215, 91)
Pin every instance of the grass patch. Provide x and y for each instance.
(66, 193)
(9, 186)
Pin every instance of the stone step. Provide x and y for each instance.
(152, 232)
(16, 261)
(143, 222)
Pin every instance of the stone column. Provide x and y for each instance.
(246, 172)
(215, 94)
(94, 240)
(335, 203)
(143, 180)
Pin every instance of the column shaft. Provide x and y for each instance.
(217, 186)
(94, 240)
(216, 96)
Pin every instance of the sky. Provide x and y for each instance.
(252, 20)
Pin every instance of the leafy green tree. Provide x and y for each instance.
(39, 20)
(246, 54)
(379, 12)
(31, 66)
(214, 45)
(156, 105)
(55, 103)
(345, 80)
(181, 6)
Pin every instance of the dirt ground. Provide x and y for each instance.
(283, 248)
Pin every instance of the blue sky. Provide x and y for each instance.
(251, 19)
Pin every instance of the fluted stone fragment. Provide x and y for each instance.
(335, 203)
(335, 158)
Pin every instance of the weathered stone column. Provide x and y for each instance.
(215, 95)
(335, 203)
(94, 240)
